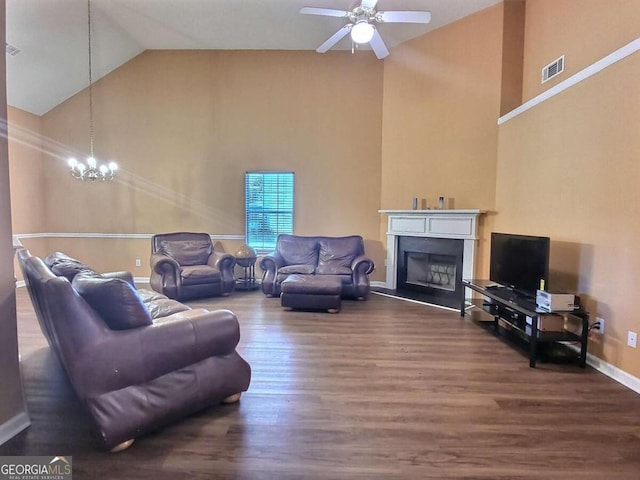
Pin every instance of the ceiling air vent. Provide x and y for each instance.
(554, 68)
(11, 50)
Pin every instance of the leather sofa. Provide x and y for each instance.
(340, 257)
(136, 359)
(184, 265)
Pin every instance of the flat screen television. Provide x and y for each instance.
(519, 262)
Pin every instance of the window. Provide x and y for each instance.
(268, 207)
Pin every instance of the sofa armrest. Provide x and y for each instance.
(362, 265)
(272, 262)
(269, 264)
(136, 356)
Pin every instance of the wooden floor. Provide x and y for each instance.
(385, 389)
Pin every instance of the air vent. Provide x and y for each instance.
(554, 68)
(11, 50)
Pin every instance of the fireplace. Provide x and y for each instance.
(430, 269)
(429, 252)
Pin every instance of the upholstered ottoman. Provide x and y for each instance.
(313, 292)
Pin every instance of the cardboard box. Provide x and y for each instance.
(549, 322)
(554, 322)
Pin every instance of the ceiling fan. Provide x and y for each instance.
(361, 24)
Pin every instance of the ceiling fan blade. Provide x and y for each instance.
(328, 12)
(335, 38)
(378, 46)
(405, 17)
(368, 3)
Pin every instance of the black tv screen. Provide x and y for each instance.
(519, 262)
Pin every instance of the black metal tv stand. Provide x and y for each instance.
(514, 310)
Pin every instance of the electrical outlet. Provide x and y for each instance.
(601, 328)
(138, 262)
(632, 339)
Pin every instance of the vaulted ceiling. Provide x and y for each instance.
(52, 35)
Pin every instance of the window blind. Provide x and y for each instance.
(268, 207)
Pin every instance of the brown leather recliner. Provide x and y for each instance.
(136, 359)
(184, 265)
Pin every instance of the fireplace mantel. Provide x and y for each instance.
(458, 224)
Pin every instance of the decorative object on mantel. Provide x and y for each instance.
(91, 169)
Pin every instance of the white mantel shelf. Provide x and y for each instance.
(454, 224)
(431, 212)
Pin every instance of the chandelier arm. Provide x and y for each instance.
(90, 81)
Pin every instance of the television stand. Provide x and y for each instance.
(522, 316)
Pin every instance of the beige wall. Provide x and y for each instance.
(582, 30)
(568, 169)
(442, 97)
(185, 126)
(25, 167)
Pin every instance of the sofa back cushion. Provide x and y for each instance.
(337, 254)
(188, 252)
(63, 265)
(297, 250)
(114, 299)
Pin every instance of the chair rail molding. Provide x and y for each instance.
(623, 52)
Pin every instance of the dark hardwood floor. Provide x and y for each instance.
(385, 389)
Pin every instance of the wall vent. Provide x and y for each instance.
(11, 50)
(554, 68)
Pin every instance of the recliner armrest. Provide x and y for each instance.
(136, 356)
(162, 264)
(221, 261)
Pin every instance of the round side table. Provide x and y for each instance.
(248, 279)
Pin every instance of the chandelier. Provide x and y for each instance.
(91, 169)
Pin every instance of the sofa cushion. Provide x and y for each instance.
(298, 250)
(198, 274)
(338, 253)
(188, 252)
(63, 265)
(163, 307)
(114, 299)
(333, 269)
(149, 295)
(299, 269)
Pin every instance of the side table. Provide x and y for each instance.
(248, 279)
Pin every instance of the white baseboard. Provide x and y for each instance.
(614, 372)
(597, 363)
(14, 426)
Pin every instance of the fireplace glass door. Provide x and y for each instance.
(431, 269)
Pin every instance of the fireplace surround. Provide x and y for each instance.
(429, 252)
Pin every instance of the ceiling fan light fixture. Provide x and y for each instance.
(362, 32)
